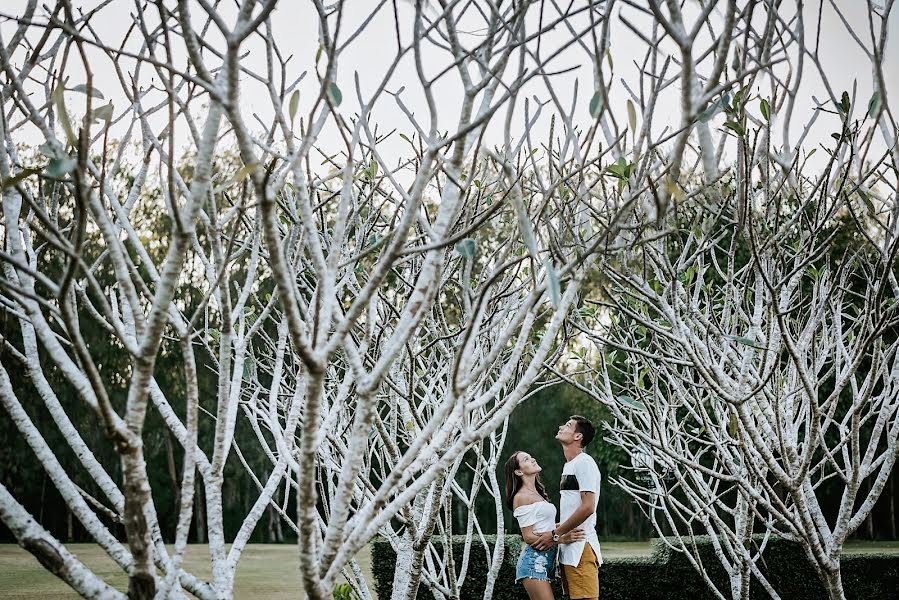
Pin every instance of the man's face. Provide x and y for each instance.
(568, 433)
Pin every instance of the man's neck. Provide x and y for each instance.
(571, 451)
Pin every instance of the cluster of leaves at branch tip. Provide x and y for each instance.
(371, 171)
(733, 108)
(343, 591)
(845, 104)
(61, 163)
(736, 116)
(622, 170)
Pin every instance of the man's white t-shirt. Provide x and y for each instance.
(580, 474)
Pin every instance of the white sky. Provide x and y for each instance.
(296, 30)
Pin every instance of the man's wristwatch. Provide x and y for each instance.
(555, 536)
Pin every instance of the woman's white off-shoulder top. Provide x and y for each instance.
(542, 515)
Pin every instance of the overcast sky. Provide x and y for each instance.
(296, 30)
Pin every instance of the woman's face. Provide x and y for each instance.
(527, 464)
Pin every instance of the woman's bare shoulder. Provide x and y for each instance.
(525, 498)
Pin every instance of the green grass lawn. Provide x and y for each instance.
(266, 571)
(862, 547)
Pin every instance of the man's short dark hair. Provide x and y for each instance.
(585, 428)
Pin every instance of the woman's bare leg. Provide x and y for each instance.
(538, 589)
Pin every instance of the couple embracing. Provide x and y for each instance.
(571, 540)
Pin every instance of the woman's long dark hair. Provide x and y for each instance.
(514, 482)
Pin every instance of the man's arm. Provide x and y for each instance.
(581, 513)
(542, 541)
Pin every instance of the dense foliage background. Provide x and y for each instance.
(532, 428)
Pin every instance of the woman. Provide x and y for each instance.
(526, 498)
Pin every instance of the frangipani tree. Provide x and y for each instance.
(680, 482)
(755, 346)
(375, 320)
(760, 357)
(772, 373)
(346, 267)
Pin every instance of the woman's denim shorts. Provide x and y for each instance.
(536, 564)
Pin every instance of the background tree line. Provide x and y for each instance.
(532, 427)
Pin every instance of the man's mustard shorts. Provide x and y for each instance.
(582, 581)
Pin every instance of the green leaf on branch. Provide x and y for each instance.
(249, 368)
(686, 277)
(293, 105)
(874, 105)
(621, 169)
(466, 248)
(57, 167)
(49, 151)
(59, 101)
(84, 89)
(628, 401)
(736, 127)
(745, 341)
(596, 103)
(104, 113)
(739, 99)
(713, 109)
(869, 205)
(845, 105)
(334, 94)
(552, 279)
(765, 107)
(632, 115)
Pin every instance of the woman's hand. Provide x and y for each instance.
(575, 535)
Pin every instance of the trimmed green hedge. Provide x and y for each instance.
(668, 575)
(383, 564)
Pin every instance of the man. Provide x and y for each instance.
(579, 496)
